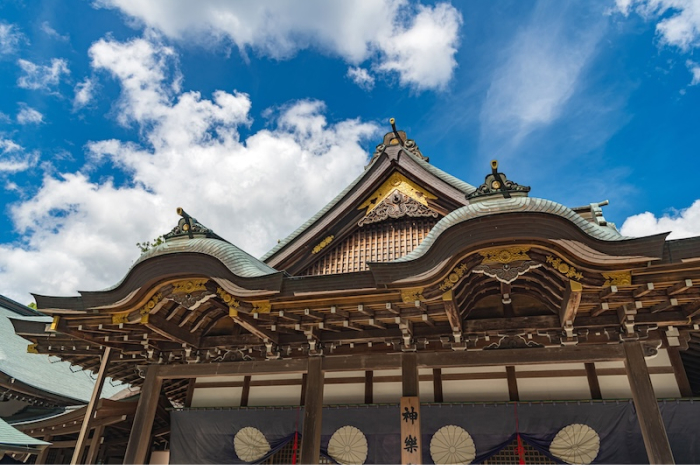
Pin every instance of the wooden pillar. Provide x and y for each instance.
(593, 383)
(369, 387)
(311, 430)
(650, 421)
(43, 455)
(513, 393)
(91, 407)
(411, 447)
(190, 392)
(137, 449)
(245, 392)
(437, 385)
(674, 355)
(94, 444)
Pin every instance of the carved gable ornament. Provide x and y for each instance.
(396, 198)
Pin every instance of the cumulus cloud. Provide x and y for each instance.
(678, 23)
(10, 38)
(28, 115)
(41, 77)
(13, 158)
(683, 223)
(78, 233)
(695, 71)
(539, 72)
(361, 77)
(84, 93)
(418, 43)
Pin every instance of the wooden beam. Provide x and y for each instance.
(43, 455)
(91, 407)
(250, 324)
(593, 383)
(570, 303)
(512, 384)
(311, 435)
(679, 372)
(203, 370)
(409, 374)
(94, 444)
(437, 385)
(680, 287)
(648, 413)
(190, 392)
(170, 330)
(369, 387)
(245, 392)
(643, 290)
(140, 436)
(451, 311)
(663, 306)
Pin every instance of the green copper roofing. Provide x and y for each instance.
(10, 436)
(513, 205)
(438, 173)
(239, 262)
(41, 371)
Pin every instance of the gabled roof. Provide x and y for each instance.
(387, 160)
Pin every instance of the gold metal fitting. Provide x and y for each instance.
(494, 164)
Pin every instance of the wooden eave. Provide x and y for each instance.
(342, 218)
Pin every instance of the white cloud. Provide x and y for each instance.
(539, 72)
(51, 32)
(683, 223)
(84, 93)
(361, 77)
(695, 71)
(78, 233)
(417, 43)
(28, 115)
(10, 38)
(679, 23)
(13, 159)
(41, 77)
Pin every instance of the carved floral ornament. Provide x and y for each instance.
(505, 255)
(454, 277)
(564, 268)
(400, 183)
(622, 278)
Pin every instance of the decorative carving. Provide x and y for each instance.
(228, 298)
(513, 342)
(454, 277)
(189, 286)
(397, 182)
(564, 268)
(397, 205)
(150, 305)
(262, 306)
(506, 273)
(119, 318)
(622, 278)
(505, 255)
(188, 226)
(32, 349)
(409, 296)
(321, 245)
(390, 139)
(498, 184)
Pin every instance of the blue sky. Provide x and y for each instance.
(252, 115)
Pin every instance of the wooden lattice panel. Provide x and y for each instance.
(509, 455)
(381, 242)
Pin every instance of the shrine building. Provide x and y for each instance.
(414, 319)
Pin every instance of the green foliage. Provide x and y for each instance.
(146, 246)
(31, 305)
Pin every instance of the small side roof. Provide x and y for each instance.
(16, 441)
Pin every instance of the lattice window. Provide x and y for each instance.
(509, 455)
(380, 242)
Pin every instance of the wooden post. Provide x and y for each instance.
(411, 447)
(369, 387)
(512, 384)
(650, 421)
(593, 383)
(94, 444)
(43, 455)
(137, 449)
(190, 392)
(437, 385)
(311, 430)
(245, 392)
(674, 355)
(91, 407)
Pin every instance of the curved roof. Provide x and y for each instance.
(513, 205)
(236, 260)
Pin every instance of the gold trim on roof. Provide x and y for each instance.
(564, 268)
(401, 183)
(410, 296)
(454, 277)
(505, 255)
(189, 286)
(321, 245)
(621, 278)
